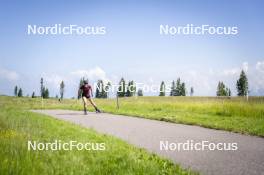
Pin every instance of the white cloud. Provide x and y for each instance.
(150, 80)
(8, 75)
(71, 80)
(231, 72)
(52, 82)
(260, 66)
(53, 79)
(245, 66)
(256, 79)
(115, 79)
(92, 74)
(255, 76)
(201, 81)
(205, 82)
(194, 73)
(236, 71)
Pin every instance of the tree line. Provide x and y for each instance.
(178, 88)
(241, 86)
(44, 91)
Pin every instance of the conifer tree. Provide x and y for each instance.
(242, 84)
(131, 89)
(122, 88)
(107, 89)
(162, 89)
(46, 93)
(173, 89)
(33, 95)
(191, 91)
(15, 91)
(222, 90)
(140, 92)
(100, 90)
(42, 88)
(62, 86)
(178, 90)
(183, 90)
(20, 93)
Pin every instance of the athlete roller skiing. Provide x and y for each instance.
(87, 93)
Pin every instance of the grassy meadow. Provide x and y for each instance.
(234, 114)
(18, 126)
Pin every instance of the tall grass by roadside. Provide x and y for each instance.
(232, 114)
(18, 125)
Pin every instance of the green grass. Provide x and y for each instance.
(18, 125)
(234, 114)
(231, 114)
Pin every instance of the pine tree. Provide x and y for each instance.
(162, 89)
(131, 89)
(128, 90)
(134, 88)
(104, 93)
(15, 91)
(97, 91)
(226, 91)
(107, 89)
(20, 93)
(242, 84)
(46, 93)
(220, 87)
(229, 93)
(62, 86)
(140, 92)
(122, 88)
(33, 95)
(42, 89)
(100, 90)
(178, 90)
(183, 90)
(173, 89)
(222, 90)
(191, 91)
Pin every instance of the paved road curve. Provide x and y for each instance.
(248, 159)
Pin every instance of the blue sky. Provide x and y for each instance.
(132, 47)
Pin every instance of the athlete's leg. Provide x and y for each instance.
(92, 102)
(84, 104)
(94, 105)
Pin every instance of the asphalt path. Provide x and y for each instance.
(242, 155)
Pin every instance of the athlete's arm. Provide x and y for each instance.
(79, 91)
(91, 92)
